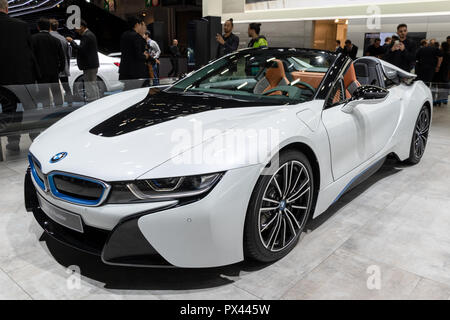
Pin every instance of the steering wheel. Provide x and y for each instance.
(306, 86)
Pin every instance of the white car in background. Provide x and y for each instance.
(107, 76)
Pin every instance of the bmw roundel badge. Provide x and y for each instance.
(58, 157)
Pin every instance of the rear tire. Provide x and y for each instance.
(279, 208)
(420, 136)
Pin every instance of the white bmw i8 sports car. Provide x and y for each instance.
(226, 164)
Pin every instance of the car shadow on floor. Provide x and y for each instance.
(142, 278)
(134, 278)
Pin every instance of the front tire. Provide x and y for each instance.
(279, 208)
(420, 136)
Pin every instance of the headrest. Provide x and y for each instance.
(275, 72)
(361, 69)
(350, 76)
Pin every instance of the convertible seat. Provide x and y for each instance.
(337, 96)
(350, 81)
(275, 76)
(311, 78)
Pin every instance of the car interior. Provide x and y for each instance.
(285, 77)
(281, 78)
(359, 73)
(368, 72)
(281, 73)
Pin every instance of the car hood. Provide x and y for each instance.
(126, 135)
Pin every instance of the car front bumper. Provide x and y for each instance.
(206, 233)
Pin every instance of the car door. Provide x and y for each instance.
(358, 135)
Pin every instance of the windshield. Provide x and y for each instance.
(280, 76)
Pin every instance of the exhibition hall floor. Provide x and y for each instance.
(388, 238)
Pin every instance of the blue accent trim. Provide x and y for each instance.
(36, 178)
(58, 157)
(355, 178)
(70, 199)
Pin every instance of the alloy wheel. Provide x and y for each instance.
(284, 206)
(421, 133)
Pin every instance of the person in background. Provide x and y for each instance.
(338, 47)
(423, 43)
(402, 52)
(18, 67)
(154, 52)
(428, 60)
(64, 75)
(443, 75)
(387, 43)
(174, 57)
(87, 59)
(133, 64)
(51, 60)
(257, 41)
(375, 49)
(350, 49)
(448, 40)
(228, 42)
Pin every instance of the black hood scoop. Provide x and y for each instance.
(161, 106)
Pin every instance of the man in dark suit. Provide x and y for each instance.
(174, 58)
(338, 47)
(17, 68)
(87, 59)
(51, 61)
(428, 58)
(133, 68)
(375, 49)
(228, 42)
(350, 49)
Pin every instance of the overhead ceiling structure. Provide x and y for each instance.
(244, 11)
(23, 7)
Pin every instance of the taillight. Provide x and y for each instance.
(117, 64)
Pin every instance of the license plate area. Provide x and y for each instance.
(61, 216)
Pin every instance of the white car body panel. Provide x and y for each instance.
(209, 232)
(105, 217)
(204, 234)
(357, 136)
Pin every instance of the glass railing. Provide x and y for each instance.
(27, 110)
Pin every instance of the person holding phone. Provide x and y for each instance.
(228, 42)
(402, 52)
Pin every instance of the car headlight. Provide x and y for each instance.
(188, 188)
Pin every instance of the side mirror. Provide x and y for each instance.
(367, 95)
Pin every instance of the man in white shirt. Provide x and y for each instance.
(155, 52)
